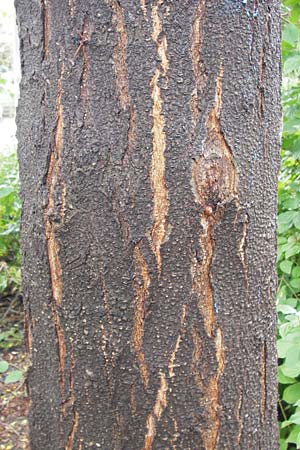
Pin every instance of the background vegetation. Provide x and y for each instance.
(288, 302)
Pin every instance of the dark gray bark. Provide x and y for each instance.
(149, 136)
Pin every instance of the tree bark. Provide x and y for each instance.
(149, 136)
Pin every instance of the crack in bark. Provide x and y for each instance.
(46, 27)
(261, 99)
(85, 37)
(263, 380)
(144, 8)
(242, 249)
(171, 365)
(175, 435)
(201, 276)
(117, 209)
(119, 54)
(108, 361)
(141, 286)
(161, 397)
(239, 419)
(210, 390)
(214, 183)
(71, 4)
(71, 401)
(155, 416)
(28, 332)
(160, 194)
(71, 438)
(132, 399)
(121, 74)
(130, 137)
(53, 173)
(198, 66)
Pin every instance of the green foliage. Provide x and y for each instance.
(13, 377)
(10, 338)
(288, 304)
(3, 366)
(9, 225)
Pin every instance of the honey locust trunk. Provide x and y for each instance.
(149, 136)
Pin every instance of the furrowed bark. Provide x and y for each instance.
(149, 137)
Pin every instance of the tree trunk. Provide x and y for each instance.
(149, 136)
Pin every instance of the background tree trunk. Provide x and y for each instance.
(149, 136)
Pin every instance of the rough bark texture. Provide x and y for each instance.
(149, 136)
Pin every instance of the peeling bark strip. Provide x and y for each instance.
(53, 176)
(141, 285)
(160, 194)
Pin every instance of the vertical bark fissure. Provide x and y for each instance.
(198, 67)
(157, 175)
(155, 416)
(71, 4)
(240, 419)
(71, 404)
(85, 37)
(52, 178)
(263, 380)
(144, 8)
(71, 438)
(161, 397)
(172, 359)
(175, 435)
(119, 54)
(46, 26)
(108, 360)
(214, 183)
(121, 74)
(141, 286)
